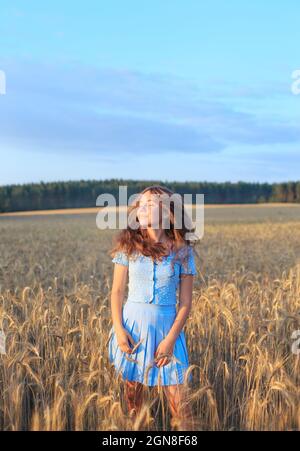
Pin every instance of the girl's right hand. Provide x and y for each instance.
(123, 339)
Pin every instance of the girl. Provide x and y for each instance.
(147, 344)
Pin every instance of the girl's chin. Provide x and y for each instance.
(144, 223)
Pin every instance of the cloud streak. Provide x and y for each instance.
(78, 108)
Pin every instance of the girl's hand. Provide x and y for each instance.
(123, 339)
(165, 350)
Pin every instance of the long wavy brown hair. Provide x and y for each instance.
(137, 241)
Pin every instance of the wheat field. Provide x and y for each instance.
(55, 281)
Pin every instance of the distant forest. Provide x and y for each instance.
(83, 193)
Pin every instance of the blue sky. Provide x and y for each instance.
(167, 90)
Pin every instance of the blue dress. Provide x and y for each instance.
(148, 315)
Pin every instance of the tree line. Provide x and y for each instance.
(83, 193)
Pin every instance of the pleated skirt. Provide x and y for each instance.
(148, 325)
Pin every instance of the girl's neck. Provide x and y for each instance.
(157, 235)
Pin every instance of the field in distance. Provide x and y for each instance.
(274, 212)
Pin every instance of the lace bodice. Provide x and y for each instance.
(155, 282)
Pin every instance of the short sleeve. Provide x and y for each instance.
(189, 266)
(121, 258)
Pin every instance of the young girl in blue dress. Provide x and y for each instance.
(147, 343)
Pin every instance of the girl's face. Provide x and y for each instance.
(148, 210)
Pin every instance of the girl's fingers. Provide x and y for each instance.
(159, 363)
(156, 353)
(130, 338)
(125, 347)
(162, 362)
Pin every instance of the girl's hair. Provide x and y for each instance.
(131, 241)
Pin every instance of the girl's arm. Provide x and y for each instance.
(185, 304)
(117, 295)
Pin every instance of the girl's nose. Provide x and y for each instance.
(142, 208)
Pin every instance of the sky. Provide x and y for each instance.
(164, 90)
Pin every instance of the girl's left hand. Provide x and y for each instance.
(166, 346)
